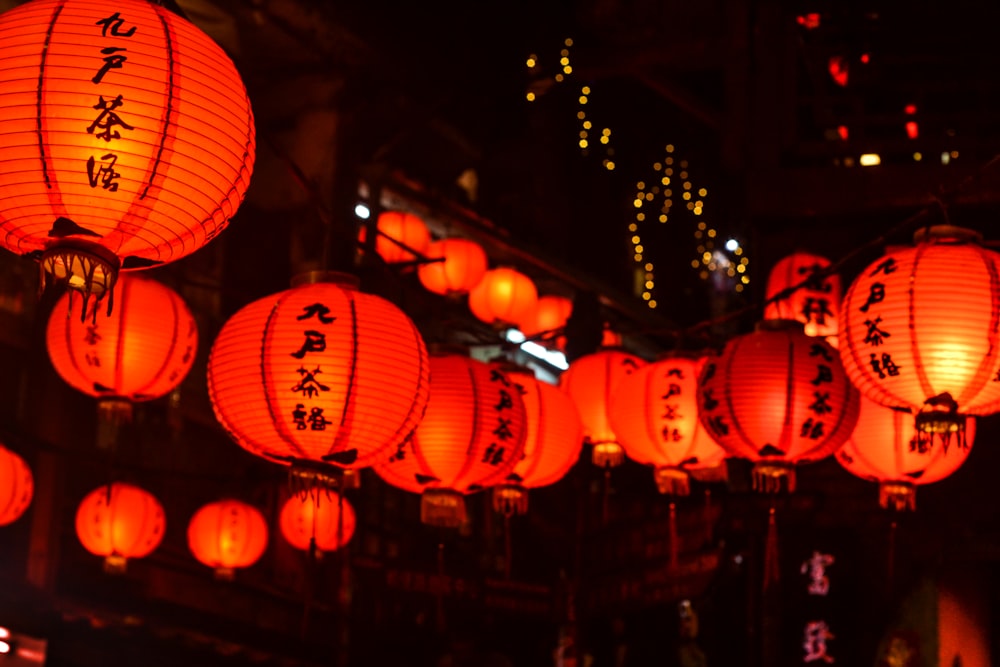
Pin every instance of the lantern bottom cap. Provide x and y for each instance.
(510, 499)
(82, 266)
(671, 480)
(607, 454)
(307, 477)
(897, 495)
(442, 507)
(114, 564)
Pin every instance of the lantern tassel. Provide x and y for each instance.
(510, 499)
(767, 476)
(507, 551)
(442, 507)
(890, 569)
(440, 620)
(707, 517)
(772, 571)
(672, 481)
(607, 454)
(898, 496)
(673, 536)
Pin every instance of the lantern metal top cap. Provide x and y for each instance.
(946, 234)
(780, 324)
(340, 278)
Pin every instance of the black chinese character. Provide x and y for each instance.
(113, 24)
(493, 454)
(299, 417)
(812, 430)
(820, 350)
(876, 295)
(502, 430)
(315, 342)
(875, 335)
(497, 376)
(505, 403)
(670, 412)
(708, 403)
(111, 61)
(820, 405)
(317, 422)
(672, 390)
(884, 366)
(108, 119)
(91, 337)
(105, 174)
(675, 373)
(92, 359)
(823, 374)
(815, 281)
(816, 308)
(671, 434)
(309, 385)
(317, 310)
(717, 425)
(886, 267)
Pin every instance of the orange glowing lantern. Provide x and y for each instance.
(591, 381)
(503, 298)
(919, 329)
(887, 448)
(654, 415)
(462, 264)
(778, 398)
(141, 351)
(800, 287)
(317, 522)
(17, 486)
(550, 315)
(552, 444)
(470, 439)
(127, 138)
(400, 235)
(322, 377)
(120, 521)
(227, 534)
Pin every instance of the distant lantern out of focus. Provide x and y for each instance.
(126, 138)
(119, 521)
(317, 522)
(456, 266)
(802, 287)
(17, 486)
(400, 235)
(226, 535)
(504, 298)
(548, 318)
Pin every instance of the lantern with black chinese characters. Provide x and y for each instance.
(119, 521)
(552, 444)
(321, 377)
(17, 486)
(140, 352)
(919, 330)
(654, 415)
(455, 266)
(126, 138)
(504, 298)
(226, 535)
(887, 448)
(402, 237)
(779, 399)
(591, 381)
(801, 286)
(471, 437)
(317, 522)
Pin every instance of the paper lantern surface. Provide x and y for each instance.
(402, 226)
(812, 298)
(503, 298)
(17, 486)
(227, 534)
(120, 521)
(326, 518)
(463, 263)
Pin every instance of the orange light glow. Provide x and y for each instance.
(842, 132)
(227, 534)
(809, 21)
(504, 298)
(404, 227)
(17, 486)
(463, 265)
(325, 519)
(816, 302)
(120, 521)
(550, 315)
(838, 68)
(912, 129)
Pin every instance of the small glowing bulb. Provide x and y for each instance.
(732, 245)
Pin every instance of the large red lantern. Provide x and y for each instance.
(17, 485)
(321, 376)
(552, 444)
(591, 381)
(550, 315)
(400, 235)
(504, 297)
(120, 521)
(126, 138)
(227, 534)
(654, 415)
(778, 398)
(919, 329)
(320, 522)
(141, 351)
(801, 287)
(470, 438)
(887, 448)
(460, 265)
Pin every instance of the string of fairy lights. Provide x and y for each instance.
(671, 184)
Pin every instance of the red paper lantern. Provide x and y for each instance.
(470, 439)
(504, 298)
(815, 302)
(127, 138)
(778, 398)
(591, 381)
(227, 534)
(654, 415)
(120, 521)
(463, 263)
(550, 315)
(321, 521)
(887, 448)
(17, 486)
(552, 444)
(919, 329)
(141, 351)
(395, 228)
(319, 375)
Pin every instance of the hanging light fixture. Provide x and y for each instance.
(317, 522)
(126, 138)
(919, 330)
(400, 235)
(321, 377)
(17, 486)
(504, 298)
(801, 287)
(227, 534)
(461, 264)
(549, 315)
(119, 521)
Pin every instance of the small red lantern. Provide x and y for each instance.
(550, 315)
(400, 234)
(777, 398)
(321, 377)
(504, 298)
(17, 486)
(120, 521)
(141, 351)
(462, 264)
(591, 381)
(317, 522)
(127, 138)
(470, 439)
(887, 448)
(654, 415)
(801, 288)
(919, 330)
(227, 534)
(552, 445)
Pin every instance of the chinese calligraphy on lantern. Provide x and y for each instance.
(817, 633)
(494, 454)
(876, 335)
(307, 414)
(670, 412)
